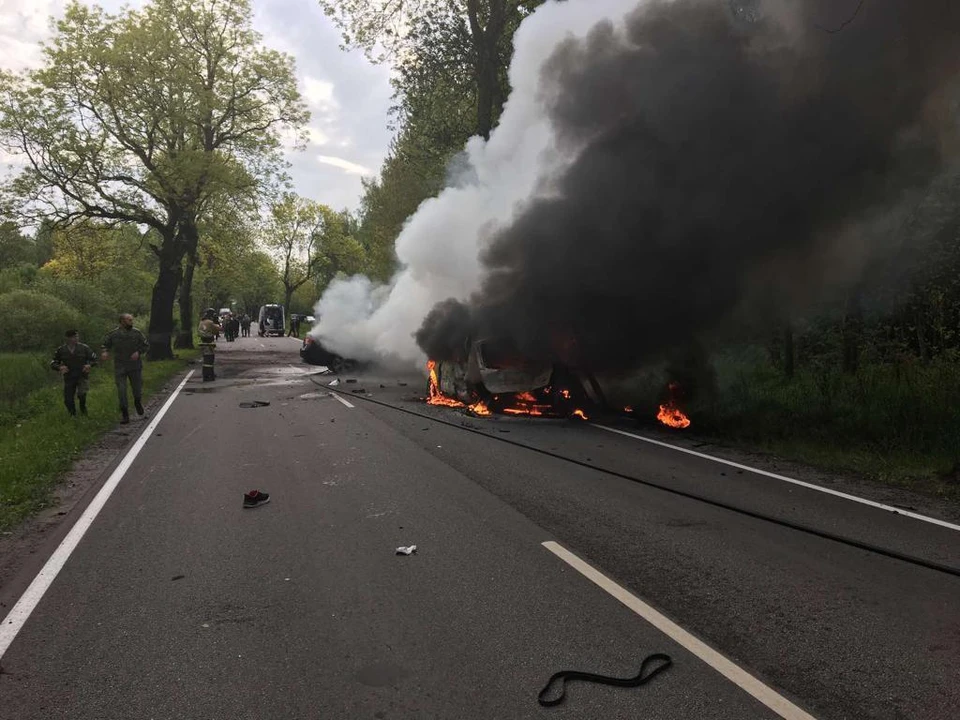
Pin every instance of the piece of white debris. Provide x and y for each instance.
(334, 383)
(410, 550)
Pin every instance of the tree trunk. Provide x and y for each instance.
(789, 358)
(486, 87)
(485, 42)
(287, 297)
(165, 288)
(185, 336)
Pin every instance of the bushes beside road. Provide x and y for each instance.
(897, 422)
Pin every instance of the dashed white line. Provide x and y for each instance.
(784, 478)
(730, 670)
(343, 400)
(16, 618)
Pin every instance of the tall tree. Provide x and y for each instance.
(476, 34)
(146, 117)
(292, 234)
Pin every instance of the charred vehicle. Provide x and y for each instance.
(491, 376)
(313, 352)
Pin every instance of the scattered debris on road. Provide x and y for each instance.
(409, 550)
(351, 381)
(665, 662)
(254, 404)
(333, 383)
(177, 577)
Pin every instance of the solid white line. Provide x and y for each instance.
(337, 396)
(784, 478)
(15, 619)
(730, 670)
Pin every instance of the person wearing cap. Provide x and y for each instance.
(74, 360)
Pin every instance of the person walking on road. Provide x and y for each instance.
(245, 325)
(128, 345)
(73, 360)
(294, 326)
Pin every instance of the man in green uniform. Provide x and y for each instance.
(128, 346)
(73, 360)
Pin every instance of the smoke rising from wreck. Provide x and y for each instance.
(683, 159)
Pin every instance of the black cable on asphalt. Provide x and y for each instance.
(851, 542)
(640, 679)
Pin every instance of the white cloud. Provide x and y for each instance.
(345, 165)
(319, 94)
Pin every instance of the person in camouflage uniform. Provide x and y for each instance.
(73, 360)
(128, 346)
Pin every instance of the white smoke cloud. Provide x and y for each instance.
(439, 246)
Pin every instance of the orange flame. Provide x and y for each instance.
(437, 397)
(580, 414)
(672, 416)
(628, 408)
(481, 409)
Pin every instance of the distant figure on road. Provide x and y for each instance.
(294, 326)
(128, 345)
(245, 325)
(73, 360)
(208, 330)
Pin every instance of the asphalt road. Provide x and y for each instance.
(178, 603)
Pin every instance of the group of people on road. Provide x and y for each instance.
(74, 360)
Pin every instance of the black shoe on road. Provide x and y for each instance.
(255, 498)
(138, 406)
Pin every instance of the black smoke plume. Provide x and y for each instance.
(712, 154)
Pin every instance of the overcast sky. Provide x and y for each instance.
(348, 96)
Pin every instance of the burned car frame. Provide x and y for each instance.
(491, 373)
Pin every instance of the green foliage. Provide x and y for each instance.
(38, 440)
(149, 117)
(451, 60)
(15, 249)
(22, 374)
(18, 277)
(32, 320)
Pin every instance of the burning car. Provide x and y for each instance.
(491, 376)
(314, 353)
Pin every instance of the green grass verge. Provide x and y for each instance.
(39, 440)
(894, 424)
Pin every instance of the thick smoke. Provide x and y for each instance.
(684, 157)
(438, 249)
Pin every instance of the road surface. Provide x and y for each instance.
(179, 603)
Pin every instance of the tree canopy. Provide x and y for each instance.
(148, 117)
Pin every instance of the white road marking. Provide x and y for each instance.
(345, 402)
(784, 478)
(730, 670)
(16, 618)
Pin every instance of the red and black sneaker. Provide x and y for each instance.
(255, 498)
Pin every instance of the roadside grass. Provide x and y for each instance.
(39, 440)
(894, 424)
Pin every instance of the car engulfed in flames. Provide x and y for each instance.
(491, 377)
